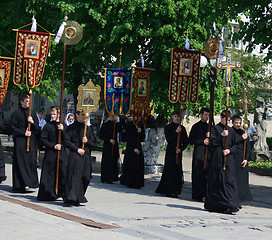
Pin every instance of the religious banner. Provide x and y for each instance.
(30, 55)
(141, 95)
(117, 90)
(185, 67)
(5, 65)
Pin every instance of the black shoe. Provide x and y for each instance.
(3, 178)
(231, 210)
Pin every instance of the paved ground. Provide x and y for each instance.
(132, 214)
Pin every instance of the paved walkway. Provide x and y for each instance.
(118, 212)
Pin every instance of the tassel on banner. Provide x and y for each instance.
(60, 31)
(142, 60)
(187, 44)
(221, 49)
(34, 25)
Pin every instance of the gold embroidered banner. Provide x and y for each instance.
(5, 65)
(185, 67)
(30, 54)
(141, 95)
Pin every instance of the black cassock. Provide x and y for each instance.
(172, 175)
(47, 189)
(109, 162)
(79, 167)
(133, 166)
(244, 193)
(2, 159)
(221, 185)
(24, 167)
(199, 180)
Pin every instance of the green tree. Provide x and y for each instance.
(149, 27)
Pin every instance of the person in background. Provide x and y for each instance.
(79, 163)
(24, 165)
(198, 137)
(241, 160)
(70, 118)
(172, 175)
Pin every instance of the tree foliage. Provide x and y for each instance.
(148, 27)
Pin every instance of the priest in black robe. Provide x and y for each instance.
(222, 195)
(198, 137)
(3, 176)
(133, 165)
(79, 163)
(24, 166)
(241, 165)
(50, 136)
(172, 176)
(110, 154)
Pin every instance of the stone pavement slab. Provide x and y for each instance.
(138, 213)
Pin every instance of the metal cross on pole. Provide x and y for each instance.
(228, 65)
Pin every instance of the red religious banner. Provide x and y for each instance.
(5, 65)
(30, 54)
(141, 95)
(185, 68)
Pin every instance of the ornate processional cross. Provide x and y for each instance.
(228, 65)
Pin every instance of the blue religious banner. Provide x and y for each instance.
(117, 90)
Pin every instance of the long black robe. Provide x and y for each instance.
(2, 159)
(133, 166)
(79, 167)
(24, 166)
(244, 193)
(199, 180)
(172, 175)
(47, 187)
(109, 162)
(221, 185)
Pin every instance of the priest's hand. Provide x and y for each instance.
(112, 141)
(225, 133)
(206, 141)
(84, 139)
(60, 127)
(30, 119)
(244, 163)
(208, 134)
(178, 150)
(58, 147)
(136, 151)
(27, 133)
(226, 152)
(80, 151)
(178, 130)
(139, 130)
(244, 136)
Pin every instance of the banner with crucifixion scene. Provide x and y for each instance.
(5, 66)
(185, 67)
(118, 90)
(141, 95)
(30, 55)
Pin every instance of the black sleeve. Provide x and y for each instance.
(216, 138)
(170, 134)
(2, 125)
(103, 133)
(45, 138)
(183, 138)
(91, 139)
(14, 125)
(68, 142)
(194, 136)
